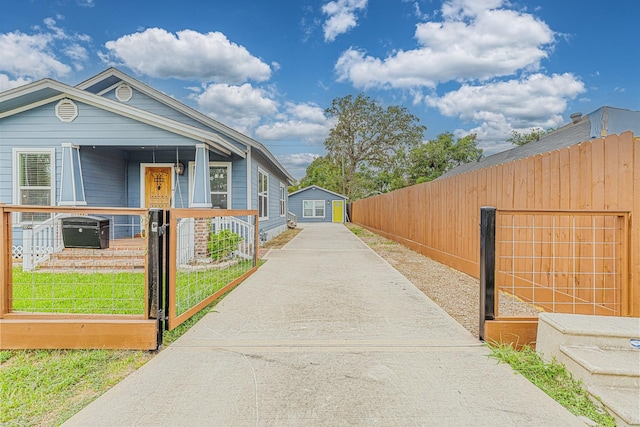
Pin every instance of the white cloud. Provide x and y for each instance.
(34, 56)
(533, 101)
(299, 122)
(342, 17)
(296, 164)
(7, 83)
(298, 159)
(30, 55)
(475, 41)
(187, 55)
(241, 107)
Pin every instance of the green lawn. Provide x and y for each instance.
(89, 293)
(111, 292)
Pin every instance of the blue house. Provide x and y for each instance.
(317, 204)
(113, 141)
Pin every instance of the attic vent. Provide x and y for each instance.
(124, 92)
(66, 110)
(575, 117)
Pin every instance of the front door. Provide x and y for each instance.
(157, 192)
(338, 210)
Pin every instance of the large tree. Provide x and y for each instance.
(367, 138)
(323, 172)
(431, 159)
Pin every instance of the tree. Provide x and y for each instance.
(366, 138)
(323, 172)
(429, 160)
(534, 134)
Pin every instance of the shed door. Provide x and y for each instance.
(338, 210)
(157, 187)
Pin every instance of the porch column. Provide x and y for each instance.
(71, 184)
(201, 196)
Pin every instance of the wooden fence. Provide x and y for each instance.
(440, 219)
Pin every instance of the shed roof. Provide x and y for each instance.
(315, 187)
(602, 122)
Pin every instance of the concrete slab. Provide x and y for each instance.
(326, 333)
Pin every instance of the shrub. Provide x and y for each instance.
(223, 243)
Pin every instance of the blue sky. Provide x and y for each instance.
(270, 68)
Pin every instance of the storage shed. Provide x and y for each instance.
(317, 204)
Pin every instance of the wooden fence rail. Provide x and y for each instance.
(440, 219)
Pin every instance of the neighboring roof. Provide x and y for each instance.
(315, 187)
(602, 122)
(111, 77)
(45, 91)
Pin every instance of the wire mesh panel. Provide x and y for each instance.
(213, 250)
(79, 262)
(564, 262)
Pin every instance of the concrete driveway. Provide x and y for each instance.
(326, 333)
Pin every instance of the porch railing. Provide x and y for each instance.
(40, 241)
(244, 229)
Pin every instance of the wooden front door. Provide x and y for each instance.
(157, 192)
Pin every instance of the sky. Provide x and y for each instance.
(270, 68)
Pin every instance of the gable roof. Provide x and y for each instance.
(111, 77)
(219, 137)
(45, 91)
(315, 187)
(602, 122)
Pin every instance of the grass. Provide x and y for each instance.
(554, 380)
(47, 387)
(73, 292)
(195, 286)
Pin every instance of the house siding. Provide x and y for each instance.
(275, 224)
(313, 193)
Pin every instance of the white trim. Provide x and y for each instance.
(214, 140)
(15, 165)
(143, 169)
(249, 168)
(324, 209)
(318, 188)
(228, 165)
(282, 202)
(265, 173)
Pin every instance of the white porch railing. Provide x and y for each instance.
(292, 219)
(40, 241)
(242, 228)
(186, 243)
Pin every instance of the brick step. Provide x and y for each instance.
(99, 253)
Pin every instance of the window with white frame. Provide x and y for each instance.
(220, 182)
(33, 181)
(313, 208)
(263, 194)
(283, 199)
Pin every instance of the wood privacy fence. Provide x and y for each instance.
(440, 219)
